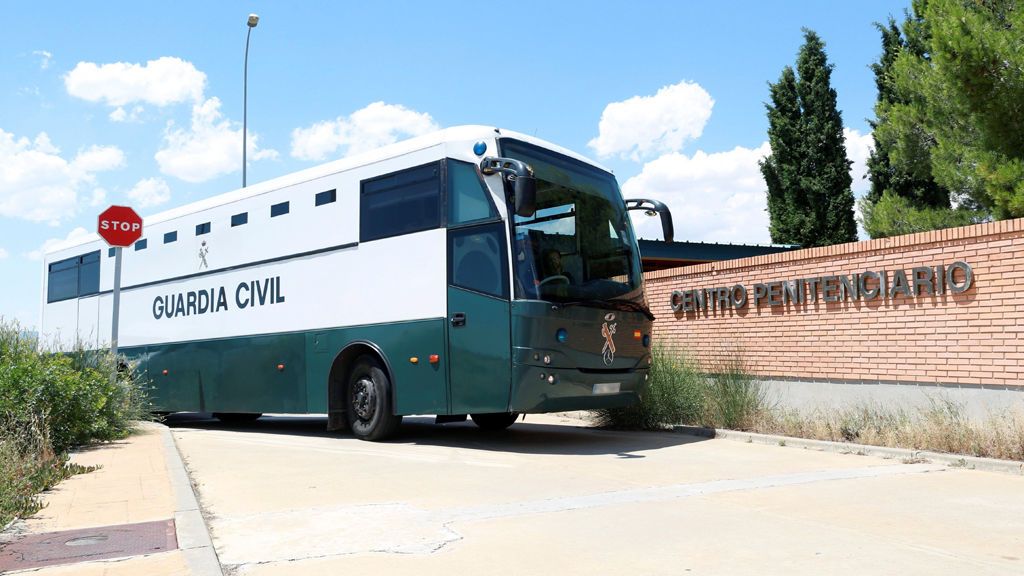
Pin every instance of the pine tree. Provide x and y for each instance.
(901, 160)
(810, 201)
(973, 92)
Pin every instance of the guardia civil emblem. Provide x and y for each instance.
(608, 331)
(203, 251)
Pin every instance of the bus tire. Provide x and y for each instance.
(368, 401)
(237, 417)
(497, 421)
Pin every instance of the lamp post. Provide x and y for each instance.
(252, 22)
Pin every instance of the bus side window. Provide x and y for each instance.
(73, 277)
(477, 261)
(400, 203)
(468, 198)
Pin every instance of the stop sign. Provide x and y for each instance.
(119, 226)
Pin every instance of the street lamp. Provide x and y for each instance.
(252, 22)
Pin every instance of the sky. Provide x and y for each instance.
(140, 103)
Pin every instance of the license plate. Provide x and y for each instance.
(607, 388)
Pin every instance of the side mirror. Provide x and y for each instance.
(520, 175)
(525, 189)
(650, 207)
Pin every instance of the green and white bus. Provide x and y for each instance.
(472, 271)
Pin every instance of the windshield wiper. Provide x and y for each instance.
(613, 304)
(633, 306)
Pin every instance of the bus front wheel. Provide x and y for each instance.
(368, 401)
(498, 421)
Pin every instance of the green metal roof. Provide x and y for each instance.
(705, 251)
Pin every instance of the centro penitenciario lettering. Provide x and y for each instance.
(868, 285)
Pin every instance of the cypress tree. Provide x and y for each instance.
(810, 201)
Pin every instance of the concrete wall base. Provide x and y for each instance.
(976, 402)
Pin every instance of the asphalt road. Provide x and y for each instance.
(282, 496)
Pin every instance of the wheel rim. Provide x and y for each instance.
(364, 399)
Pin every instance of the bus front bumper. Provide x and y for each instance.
(544, 389)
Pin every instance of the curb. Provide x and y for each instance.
(953, 460)
(193, 534)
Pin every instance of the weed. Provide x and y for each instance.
(673, 396)
(50, 403)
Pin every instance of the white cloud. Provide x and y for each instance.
(98, 198)
(150, 192)
(163, 81)
(376, 125)
(721, 197)
(3, 254)
(858, 149)
(119, 114)
(99, 159)
(75, 234)
(38, 184)
(44, 58)
(210, 147)
(718, 197)
(644, 126)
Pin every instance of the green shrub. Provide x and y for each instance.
(673, 396)
(732, 397)
(50, 403)
(74, 394)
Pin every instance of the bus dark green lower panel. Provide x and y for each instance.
(420, 388)
(247, 374)
(289, 373)
(573, 389)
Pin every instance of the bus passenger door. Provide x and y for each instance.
(479, 346)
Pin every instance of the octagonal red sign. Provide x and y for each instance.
(119, 226)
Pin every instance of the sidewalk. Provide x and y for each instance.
(137, 514)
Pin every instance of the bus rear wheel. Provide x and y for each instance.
(368, 401)
(237, 417)
(498, 421)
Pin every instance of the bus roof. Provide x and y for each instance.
(455, 133)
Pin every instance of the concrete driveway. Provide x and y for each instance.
(549, 497)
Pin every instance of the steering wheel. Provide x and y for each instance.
(555, 278)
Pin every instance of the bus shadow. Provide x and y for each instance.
(523, 437)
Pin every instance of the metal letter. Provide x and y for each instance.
(812, 285)
(789, 294)
(922, 278)
(675, 300)
(829, 289)
(899, 284)
(870, 293)
(760, 291)
(847, 288)
(739, 296)
(775, 293)
(951, 277)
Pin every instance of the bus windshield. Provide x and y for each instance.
(579, 246)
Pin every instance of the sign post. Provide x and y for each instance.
(120, 226)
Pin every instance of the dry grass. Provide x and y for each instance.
(726, 396)
(941, 427)
(28, 465)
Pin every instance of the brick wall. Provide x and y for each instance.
(973, 337)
